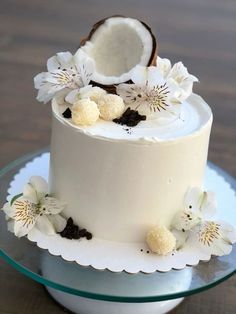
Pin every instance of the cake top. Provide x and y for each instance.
(195, 116)
(115, 86)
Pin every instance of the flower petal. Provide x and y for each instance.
(185, 220)
(132, 94)
(191, 199)
(180, 73)
(60, 60)
(40, 80)
(58, 222)
(85, 90)
(139, 75)
(164, 65)
(40, 185)
(228, 232)
(85, 66)
(61, 95)
(186, 87)
(8, 210)
(21, 228)
(181, 238)
(176, 95)
(147, 76)
(46, 94)
(52, 206)
(47, 91)
(11, 225)
(30, 193)
(203, 202)
(72, 96)
(44, 225)
(208, 205)
(154, 77)
(79, 56)
(53, 63)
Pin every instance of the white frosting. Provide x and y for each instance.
(194, 116)
(119, 185)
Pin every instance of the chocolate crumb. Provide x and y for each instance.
(67, 113)
(128, 130)
(82, 233)
(70, 222)
(75, 232)
(88, 235)
(130, 118)
(72, 231)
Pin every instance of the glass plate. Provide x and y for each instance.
(69, 277)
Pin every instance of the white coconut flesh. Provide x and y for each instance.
(117, 46)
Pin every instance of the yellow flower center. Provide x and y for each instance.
(209, 233)
(25, 211)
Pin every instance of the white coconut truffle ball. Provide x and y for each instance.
(85, 112)
(160, 240)
(94, 94)
(111, 106)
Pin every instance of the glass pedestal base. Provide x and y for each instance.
(80, 305)
(52, 268)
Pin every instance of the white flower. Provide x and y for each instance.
(151, 93)
(34, 208)
(179, 77)
(192, 225)
(213, 237)
(65, 71)
(198, 205)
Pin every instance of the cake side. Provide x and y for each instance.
(119, 189)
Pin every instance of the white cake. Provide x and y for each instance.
(128, 149)
(117, 184)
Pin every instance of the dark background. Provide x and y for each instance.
(200, 33)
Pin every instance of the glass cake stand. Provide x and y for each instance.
(85, 290)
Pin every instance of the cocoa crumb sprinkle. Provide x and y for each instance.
(130, 118)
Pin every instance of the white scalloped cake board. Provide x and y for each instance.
(115, 256)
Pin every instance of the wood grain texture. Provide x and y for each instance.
(200, 33)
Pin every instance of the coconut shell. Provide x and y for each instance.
(152, 61)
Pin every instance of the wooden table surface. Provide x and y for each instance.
(200, 33)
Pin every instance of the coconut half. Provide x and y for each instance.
(117, 44)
